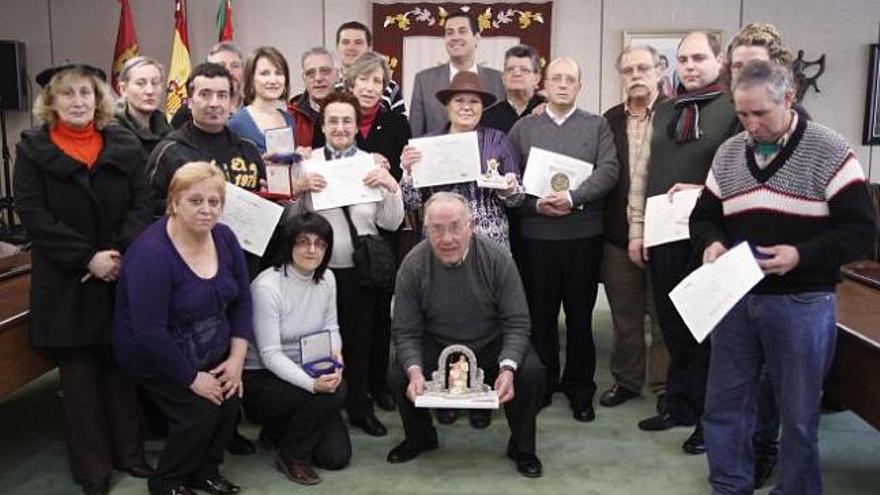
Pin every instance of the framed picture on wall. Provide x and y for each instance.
(872, 100)
(666, 43)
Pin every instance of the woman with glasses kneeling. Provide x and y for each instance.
(183, 320)
(299, 408)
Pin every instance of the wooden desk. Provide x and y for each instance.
(854, 379)
(19, 364)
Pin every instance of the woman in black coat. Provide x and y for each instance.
(82, 198)
(385, 133)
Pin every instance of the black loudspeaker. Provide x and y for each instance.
(13, 76)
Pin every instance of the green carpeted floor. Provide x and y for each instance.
(609, 456)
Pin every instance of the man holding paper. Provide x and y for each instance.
(459, 287)
(686, 132)
(793, 190)
(562, 230)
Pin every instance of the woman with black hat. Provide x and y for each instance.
(81, 196)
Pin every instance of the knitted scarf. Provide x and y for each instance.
(685, 127)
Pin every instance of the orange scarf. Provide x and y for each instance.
(83, 144)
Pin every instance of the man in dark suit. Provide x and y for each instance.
(623, 270)
(461, 35)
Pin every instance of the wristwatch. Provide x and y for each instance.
(507, 367)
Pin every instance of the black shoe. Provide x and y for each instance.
(695, 445)
(446, 416)
(142, 470)
(384, 401)
(181, 490)
(239, 445)
(765, 462)
(406, 451)
(661, 404)
(584, 414)
(527, 465)
(101, 487)
(215, 485)
(660, 422)
(371, 425)
(480, 418)
(616, 395)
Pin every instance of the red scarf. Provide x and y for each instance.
(83, 144)
(687, 122)
(366, 120)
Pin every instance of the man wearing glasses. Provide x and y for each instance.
(458, 287)
(319, 76)
(562, 235)
(623, 269)
(522, 73)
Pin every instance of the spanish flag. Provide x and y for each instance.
(175, 92)
(126, 43)
(224, 20)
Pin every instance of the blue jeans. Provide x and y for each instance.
(794, 335)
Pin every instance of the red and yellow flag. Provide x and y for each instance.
(224, 20)
(178, 71)
(126, 43)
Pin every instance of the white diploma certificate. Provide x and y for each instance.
(345, 182)
(446, 159)
(711, 291)
(668, 222)
(279, 141)
(251, 218)
(548, 172)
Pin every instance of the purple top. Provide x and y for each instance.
(490, 218)
(170, 323)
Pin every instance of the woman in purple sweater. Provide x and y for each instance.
(183, 319)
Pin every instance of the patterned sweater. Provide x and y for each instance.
(812, 196)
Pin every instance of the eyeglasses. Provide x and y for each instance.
(305, 243)
(454, 228)
(514, 69)
(313, 72)
(559, 79)
(631, 69)
(335, 121)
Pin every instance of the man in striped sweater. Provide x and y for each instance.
(795, 191)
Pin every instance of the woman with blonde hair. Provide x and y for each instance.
(81, 195)
(183, 319)
(141, 86)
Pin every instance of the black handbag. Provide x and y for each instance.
(373, 258)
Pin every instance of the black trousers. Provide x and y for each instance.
(355, 306)
(308, 426)
(688, 359)
(565, 272)
(520, 412)
(380, 343)
(197, 434)
(101, 416)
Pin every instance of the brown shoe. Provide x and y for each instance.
(297, 471)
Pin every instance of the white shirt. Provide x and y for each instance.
(559, 119)
(453, 71)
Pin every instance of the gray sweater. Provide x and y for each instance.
(473, 303)
(584, 136)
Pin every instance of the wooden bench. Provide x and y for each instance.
(19, 364)
(854, 380)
